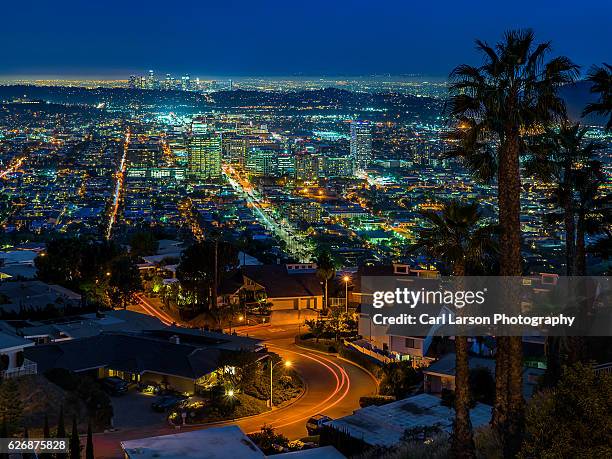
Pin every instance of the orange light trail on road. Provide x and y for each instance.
(16, 164)
(340, 382)
(152, 310)
(118, 186)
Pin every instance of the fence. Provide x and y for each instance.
(28, 368)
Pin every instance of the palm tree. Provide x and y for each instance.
(593, 208)
(458, 239)
(494, 107)
(556, 157)
(601, 79)
(326, 270)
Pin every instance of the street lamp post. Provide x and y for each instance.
(346, 282)
(287, 364)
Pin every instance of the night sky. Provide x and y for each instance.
(271, 37)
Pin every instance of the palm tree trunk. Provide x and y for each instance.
(500, 406)
(463, 439)
(570, 234)
(576, 347)
(509, 193)
(580, 245)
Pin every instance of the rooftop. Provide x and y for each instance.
(384, 425)
(228, 442)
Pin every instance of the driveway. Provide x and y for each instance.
(133, 410)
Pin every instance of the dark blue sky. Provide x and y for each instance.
(272, 37)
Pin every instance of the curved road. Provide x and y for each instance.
(332, 387)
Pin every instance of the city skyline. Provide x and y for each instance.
(357, 258)
(240, 39)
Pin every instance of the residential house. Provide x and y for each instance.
(12, 359)
(183, 359)
(441, 374)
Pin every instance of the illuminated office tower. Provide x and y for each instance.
(185, 83)
(307, 167)
(338, 166)
(204, 152)
(285, 164)
(235, 149)
(262, 161)
(151, 80)
(361, 144)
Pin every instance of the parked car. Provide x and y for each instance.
(167, 402)
(114, 385)
(314, 424)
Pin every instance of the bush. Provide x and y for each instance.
(87, 390)
(573, 419)
(399, 379)
(323, 345)
(268, 441)
(66, 379)
(375, 400)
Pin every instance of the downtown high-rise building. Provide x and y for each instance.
(307, 167)
(262, 161)
(361, 144)
(204, 152)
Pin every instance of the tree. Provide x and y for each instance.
(11, 407)
(482, 385)
(458, 238)
(593, 208)
(198, 272)
(326, 270)
(316, 327)
(494, 108)
(601, 79)
(75, 442)
(61, 262)
(143, 243)
(89, 448)
(46, 434)
(46, 431)
(61, 432)
(340, 322)
(557, 156)
(399, 379)
(268, 441)
(579, 409)
(124, 280)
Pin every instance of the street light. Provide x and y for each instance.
(287, 364)
(346, 280)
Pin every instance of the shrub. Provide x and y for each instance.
(268, 441)
(573, 419)
(375, 400)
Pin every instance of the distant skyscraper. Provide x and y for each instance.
(204, 152)
(235, 149)
(361, 144)
(338, 166)
(262, 161)
(151, 80)
(307, 167)
(185, 83)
